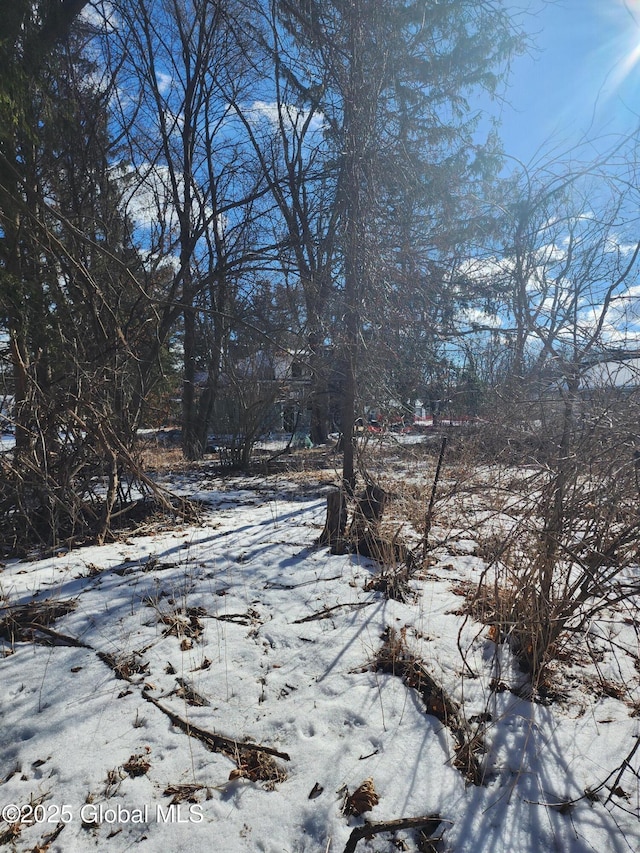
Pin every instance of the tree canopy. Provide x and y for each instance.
(190, 188)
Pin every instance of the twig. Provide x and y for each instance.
(50, 838)
(276, 585)
(591, 794)
(626, 763)
(432, 499)
(326, 613)
(375, 828)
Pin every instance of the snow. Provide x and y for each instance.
(218, 624)
(7, 441)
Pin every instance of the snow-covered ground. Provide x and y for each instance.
(7, 441)
(179, 648)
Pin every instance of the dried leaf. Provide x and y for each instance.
(363, 799)
(138, 765)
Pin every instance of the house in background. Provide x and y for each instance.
(263, 393)
(612, 371)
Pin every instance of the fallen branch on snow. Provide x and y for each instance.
(327, 611)
(430, 822)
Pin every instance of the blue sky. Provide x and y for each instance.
(582, 76)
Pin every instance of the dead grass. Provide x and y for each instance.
(187, 692)
(184, 624)
(165, 459)
(11, 833)
(20, 622)
(124, 666)
(393, 584)
(186, 793)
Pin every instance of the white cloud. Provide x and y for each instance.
(164, 81)
(149, 200)
(291, 115)
(101, 15)
(148, 197)
(484, 269)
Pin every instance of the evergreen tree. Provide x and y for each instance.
(391, 80)
(71, 297)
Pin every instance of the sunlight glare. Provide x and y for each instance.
(628, 47)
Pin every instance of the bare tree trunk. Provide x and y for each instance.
(20, 384)
(336, 521)
(190, 443)
(112, 493)
(319, 392)
(347, 424)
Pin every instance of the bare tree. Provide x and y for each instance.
(287, 136)
(187, 164)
